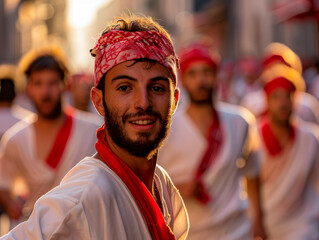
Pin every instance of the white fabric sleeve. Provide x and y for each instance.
(315, 169)
(9, 170)
(180, 218)
(53, 218)
(251, 153)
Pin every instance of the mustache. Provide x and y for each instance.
(148, 112)
(46, 99)
(204, 88)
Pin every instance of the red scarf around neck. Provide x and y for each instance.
(60, 142)
(271, 142)
(215, 140)
(147, 205)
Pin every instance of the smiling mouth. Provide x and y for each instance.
(142, 122)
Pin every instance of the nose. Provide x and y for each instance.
(44, 90)
(142, 99)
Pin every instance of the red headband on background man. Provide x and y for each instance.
(117, 46)
(194, 53)
(279, 82)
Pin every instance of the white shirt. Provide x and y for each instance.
(18, 158)
(11, 115)
(92, 202)
(288, 187)
(225, 217)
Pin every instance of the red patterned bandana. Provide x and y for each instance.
(116, 46)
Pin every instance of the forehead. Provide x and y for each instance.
(139, 70)
(44, 74)
(280, 91)
(198, 66)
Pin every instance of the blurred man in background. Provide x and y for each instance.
(210, 148)
(44, 148)
(290, 161)
(306, 106)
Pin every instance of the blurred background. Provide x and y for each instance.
(239, 29)
(236, 28)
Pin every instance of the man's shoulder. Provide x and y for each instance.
(307, 99)
(308, 128)
(161, 172)
(86, 179)
(87, 119)
(180, 121)
(19, 129)
(235, 113)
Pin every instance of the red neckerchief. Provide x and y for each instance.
(215, 140)
(60, 142)
(147, 205)
(271, 142)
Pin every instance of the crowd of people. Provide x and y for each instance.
(158, 143)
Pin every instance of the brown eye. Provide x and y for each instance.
(123, 88)
(158, 89)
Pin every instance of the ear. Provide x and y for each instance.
(97, 99)
(176, 98)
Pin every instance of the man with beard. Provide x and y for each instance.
(290, 160)
(210, 147)
(306, 106)
(40, 150)
(120, 192)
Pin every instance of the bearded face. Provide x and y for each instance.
(138, 106)
(45, 88)
(199, 81)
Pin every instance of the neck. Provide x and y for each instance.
(202, 116)
(50, 122)
(200, 110)
(144, 168)
(82, 107)
(281, 130)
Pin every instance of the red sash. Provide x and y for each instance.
(61, 139)
(271, 142)
(147, 205)
(215, 140)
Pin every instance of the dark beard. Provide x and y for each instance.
(207, 101)
(57, 110)
(143, 147)
(201, 102)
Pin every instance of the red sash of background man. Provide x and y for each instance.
(209, 158)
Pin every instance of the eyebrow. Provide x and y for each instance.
(124, 77)
(155, 79)
(160, 78)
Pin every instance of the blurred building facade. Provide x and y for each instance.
(235, 27)
(26, 24)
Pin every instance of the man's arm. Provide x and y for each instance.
(8, 173)
(12, 207)
(253, 191)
